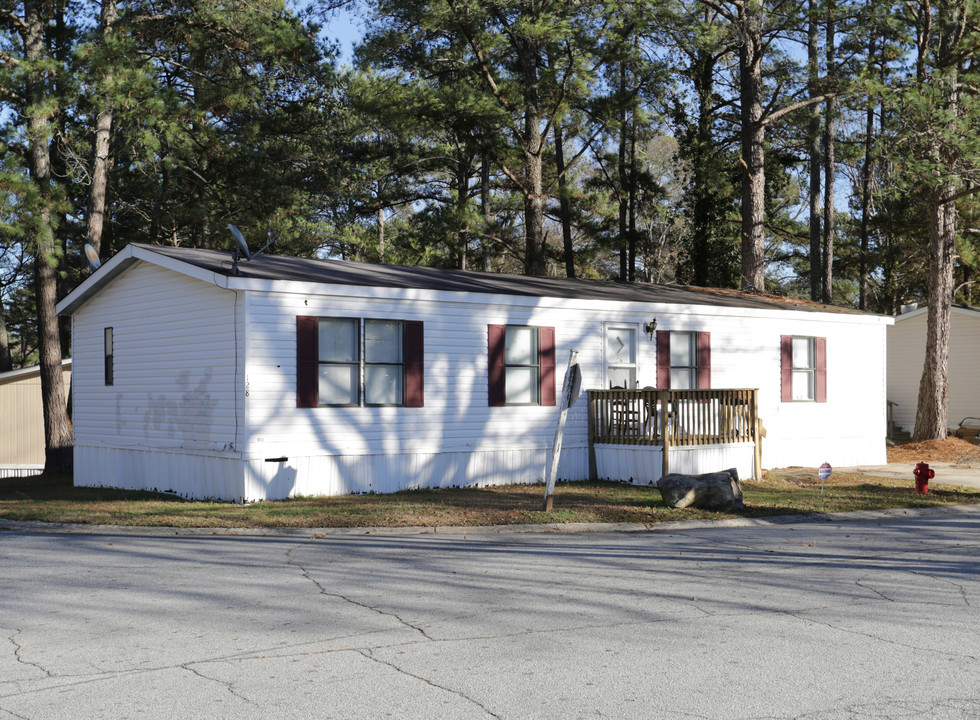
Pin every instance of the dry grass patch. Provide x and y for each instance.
(951, 450)
(792, 491)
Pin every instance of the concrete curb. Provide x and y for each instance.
(575, 528)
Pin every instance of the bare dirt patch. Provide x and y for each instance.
(951, 450)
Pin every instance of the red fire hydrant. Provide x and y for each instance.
(922, 476)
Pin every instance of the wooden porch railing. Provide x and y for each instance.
(674, 418)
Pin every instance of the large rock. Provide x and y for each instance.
(711, 491)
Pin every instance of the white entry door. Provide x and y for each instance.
(620, 356)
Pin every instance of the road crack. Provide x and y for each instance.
(229, 686)
(327, 593)
(367, 654)
(12, 713)
(878, 638)
(18, 648)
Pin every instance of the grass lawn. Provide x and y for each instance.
(52, 498)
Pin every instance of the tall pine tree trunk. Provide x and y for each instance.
(485, 245)
(624, 258)
(702, 227)
(753, 147)
(534, 261)
(865, 226)
(830, 168)
(632, 234)
(6, 361)
(57, 428)
(564, 207)
(103, 130)
(829, 220)
(813, 149)
(462, 202)
(931, 417)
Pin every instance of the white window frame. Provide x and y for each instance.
(532, 368)
(807, 373)
(361, 366)
(109, 370)
(690, 370)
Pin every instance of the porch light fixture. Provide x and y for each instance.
(650, 328)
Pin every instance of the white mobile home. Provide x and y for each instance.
(282, 376)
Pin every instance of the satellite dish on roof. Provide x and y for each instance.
(93, 258)
(240, 239)
(243, 251)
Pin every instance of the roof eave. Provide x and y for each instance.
(119, 263)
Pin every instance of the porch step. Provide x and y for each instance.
(898, 436)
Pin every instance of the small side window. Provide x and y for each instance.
(108, 356)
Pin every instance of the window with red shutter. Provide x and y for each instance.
(803, 368)
(546, 359)
(683, 360)
(521, 365)
(331, 368)
(414, 364)
(307, 367)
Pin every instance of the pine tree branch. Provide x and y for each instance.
(13, 21)
(768, 119)
(721, 10)
(966, 192)
(568, 166)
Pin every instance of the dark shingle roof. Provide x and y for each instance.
(342, 272)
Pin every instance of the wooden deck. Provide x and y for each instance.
(674, 418)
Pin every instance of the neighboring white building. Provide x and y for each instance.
(22, 420)
(286, 376)
(906, 357)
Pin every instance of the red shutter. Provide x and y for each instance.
(414, 364)
(307, 361)
(786, 367)
(496, 372)
(663, 359)
(546, 358)
(704, 361)
(821, 375)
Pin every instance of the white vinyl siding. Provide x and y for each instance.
(173, 370)
(456, 417)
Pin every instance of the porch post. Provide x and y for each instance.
(593, 470)
(756, 436)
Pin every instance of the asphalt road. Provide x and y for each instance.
(847, 617)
